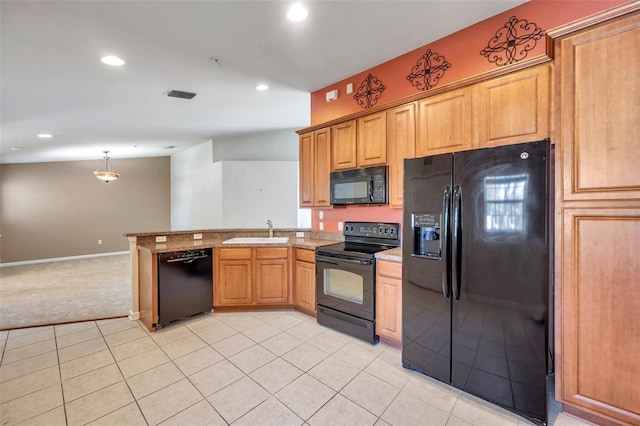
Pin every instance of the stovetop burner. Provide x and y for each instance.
(365, 239)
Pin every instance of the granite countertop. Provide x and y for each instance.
(305, 243)
(219, 230)
(394, 254)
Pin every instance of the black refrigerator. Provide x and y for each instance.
(476, 273)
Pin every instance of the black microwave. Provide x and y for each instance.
(367, 185)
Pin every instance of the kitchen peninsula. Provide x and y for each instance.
(246, 276)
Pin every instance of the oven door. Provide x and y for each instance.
(346, 285)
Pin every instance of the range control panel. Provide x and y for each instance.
(175, 256)
(372, 230)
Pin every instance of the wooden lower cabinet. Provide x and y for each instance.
(304, 294)
(251, 276)
(272, 276)
(599, 312)
(233, 284)
(389, 301)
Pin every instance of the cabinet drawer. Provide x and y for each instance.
(306, 255)
(272, 253)
(390, 269)
(235, 253)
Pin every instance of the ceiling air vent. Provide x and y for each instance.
(180, 94)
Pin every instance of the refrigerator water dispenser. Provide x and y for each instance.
(426, 235)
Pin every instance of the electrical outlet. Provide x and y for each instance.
(161, 238)
(197, 236)
(99, 242)
(339, 226)
(299, 234)
(321, 214)
(322, 226)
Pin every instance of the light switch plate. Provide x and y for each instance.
(349, 88)
(321, 214)
(197, 236)
(161, 238)
(322, 226)
(339, 226)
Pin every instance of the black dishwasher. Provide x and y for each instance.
(185, 284)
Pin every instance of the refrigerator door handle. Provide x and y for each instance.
(446, 202)
(457, 233)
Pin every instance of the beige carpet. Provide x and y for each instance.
(65, 291)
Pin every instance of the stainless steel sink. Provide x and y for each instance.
(257, 240)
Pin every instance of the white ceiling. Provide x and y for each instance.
(52, 80)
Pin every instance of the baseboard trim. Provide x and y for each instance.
(59, 259)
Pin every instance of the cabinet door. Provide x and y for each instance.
(600, 112)
(371, 139)
(272, 278)
(306, 170)
(389, 301)
(401, 144)
(233, 286)
(514, 108)
(599, 313)
(305, 286)
(343, 141)
(322, 168)
(444, 123)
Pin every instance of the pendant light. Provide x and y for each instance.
(107, 175)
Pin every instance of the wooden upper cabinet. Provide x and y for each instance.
(322, 167)
(343, 138)
(599, 118)
(371, 139)
(306, 166)
(514, 108)
(315, 166)
(445, 123)
(401, 144)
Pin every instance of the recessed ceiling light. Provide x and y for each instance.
(45, 135)
(262, 87)
(297, 13)
(17, 148)
(169, 147)
(112, 60)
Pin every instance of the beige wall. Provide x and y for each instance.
(60, 209)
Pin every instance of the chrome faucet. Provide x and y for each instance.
(270, 225)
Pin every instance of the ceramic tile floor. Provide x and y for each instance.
(258, 368)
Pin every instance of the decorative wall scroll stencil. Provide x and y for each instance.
(428, 71)
(512, 42)
(369, 91)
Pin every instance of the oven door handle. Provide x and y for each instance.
(337, 261)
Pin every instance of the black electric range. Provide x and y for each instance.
(345, 277)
